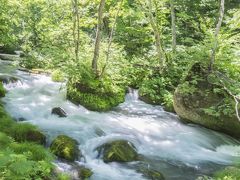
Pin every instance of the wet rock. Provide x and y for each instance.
(59, 111)
(21, 119)
(151, 174)
(119, 151)
(84, 173)
(8, 79)
(65, 147)
(99, 132)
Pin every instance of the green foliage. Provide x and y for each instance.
(229, 173)
(57, 76)
(22, 132)
(2, 90)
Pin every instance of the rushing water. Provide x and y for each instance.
(179, 151)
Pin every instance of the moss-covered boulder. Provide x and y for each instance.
(22, 132)
(84, 173)
(201, 100)
(151, 174)
(2, 90)
(119, 151)
(65, 147)
(95, 95)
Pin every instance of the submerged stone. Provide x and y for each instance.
(65, 147)
(119, 151)
(59, 111)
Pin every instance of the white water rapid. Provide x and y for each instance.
(179, 151)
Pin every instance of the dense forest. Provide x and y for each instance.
(120, 89)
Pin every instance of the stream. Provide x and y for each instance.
(179, 151)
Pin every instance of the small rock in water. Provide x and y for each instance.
(59, 111)
(21, 119)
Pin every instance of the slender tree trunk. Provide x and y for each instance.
(76, 28)
(173, 26)
(111, 38)
(98, 38)
(156, 34)
(218, 27)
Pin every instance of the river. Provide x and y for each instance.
(180, 151)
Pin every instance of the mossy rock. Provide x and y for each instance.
(95, 97)
(2, 90)
(151, 174)
(23, 132)
(229, 173)
(119, 151)
(85, 173)
(65, 147)
(197, 94)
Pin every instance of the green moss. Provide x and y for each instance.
(65, 147)
(85, 173)
(2, 90)
(34, 151)
(95, 96)
(151, 174)
(229, 173)
(27, 132)
(119, 151)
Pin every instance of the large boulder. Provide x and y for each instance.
(65, 147)
(59, 111)
(202, 101)
(119, 151)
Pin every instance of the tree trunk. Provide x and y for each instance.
(156, 34)
(111, 38)
(98, 38)
(218, 27)
(76, 28)
(173, 26)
